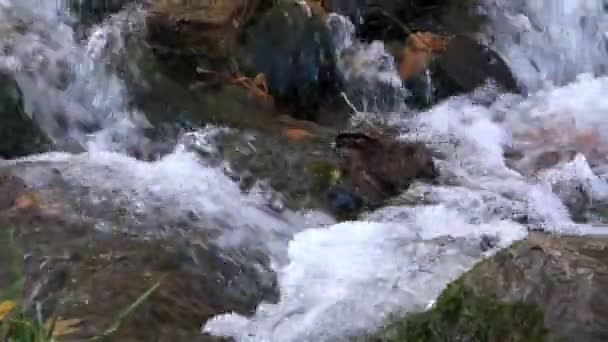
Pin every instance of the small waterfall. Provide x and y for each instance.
(549, 42)
(74, 92)
(70, 89)
(371, 80)
(347, 279)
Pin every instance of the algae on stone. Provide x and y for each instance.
(462, 315)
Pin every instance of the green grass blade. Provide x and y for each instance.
(128, 310)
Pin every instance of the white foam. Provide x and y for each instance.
(69, 87)
(349, 279)
(369, 71)
(549, 42)
(176, 190)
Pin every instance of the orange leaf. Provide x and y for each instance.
(6, 307)
(297, 134)
(27, 201)
(64, 327)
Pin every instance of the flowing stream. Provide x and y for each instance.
(342, 280)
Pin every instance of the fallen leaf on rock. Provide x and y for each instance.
(6, 307)
(63, 327)
(27, 201)
(258, 86)
(316, 8)
(297, 134)
(427, 41)
(418, 52)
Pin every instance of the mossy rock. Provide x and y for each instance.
(462, 315)
(543, 288)
(75, 271)
(20, 134)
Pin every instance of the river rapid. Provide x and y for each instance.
(339, 280)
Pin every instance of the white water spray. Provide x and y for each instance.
(346, 281)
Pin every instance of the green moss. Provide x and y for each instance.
(462, 315)
(324, 175)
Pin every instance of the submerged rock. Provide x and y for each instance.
(545, 288)
(20, 134)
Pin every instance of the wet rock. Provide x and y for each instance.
(74, 269)
(298, 170)
(170, 90)
(343, 202)
(545, 288)
(469, 64)
(385, 19)
(292, 47)
(210, 28)
(460, 66)
(90, 12)
(392, 20)
(379, 168)
(419, 51)
(20, 134)
(11, 187)
(212, 47)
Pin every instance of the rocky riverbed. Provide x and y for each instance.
(307, 170)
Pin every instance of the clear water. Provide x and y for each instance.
(343, 280)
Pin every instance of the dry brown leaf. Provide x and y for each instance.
(6, 307)
(297, 134)
(427, 41)
(258, 85)
(316, 8)
(27, 201)
(64, 327)
(419, 51)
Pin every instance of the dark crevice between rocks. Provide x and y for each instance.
(20, 135)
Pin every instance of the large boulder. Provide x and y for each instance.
(545, 288)
(83, 264)
(20, 134)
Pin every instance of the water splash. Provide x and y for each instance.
(397, 253)
(354, 276)
(69, 87)
(549, 42)
(371, 78)
(404, 254)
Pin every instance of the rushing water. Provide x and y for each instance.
(345, 280)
